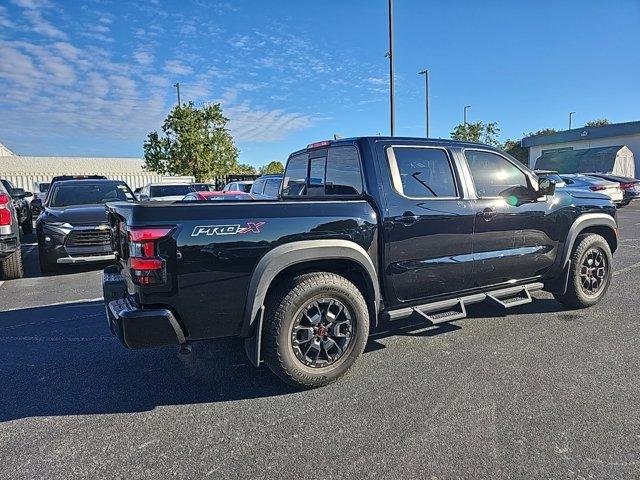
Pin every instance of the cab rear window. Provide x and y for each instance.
(337, 173)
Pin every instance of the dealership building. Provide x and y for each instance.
(617, 140)
(26, 171)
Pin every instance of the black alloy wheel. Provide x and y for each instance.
(322, 332)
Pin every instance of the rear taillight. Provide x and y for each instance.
(5, 213)
(147, 268)
(627, 186)
(597, 188)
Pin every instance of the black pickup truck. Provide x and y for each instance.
(364, 230)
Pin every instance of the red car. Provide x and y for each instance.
(212, 196)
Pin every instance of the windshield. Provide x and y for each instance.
(203, 187)
(90, 194)
(171, 190)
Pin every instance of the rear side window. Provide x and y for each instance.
(492, 174)
(336, 174)
(343, 172)
(422, 172)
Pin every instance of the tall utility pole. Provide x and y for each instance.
(392, 106)
(570, 118)
(465, 113)
(425, 72)
(177, 85)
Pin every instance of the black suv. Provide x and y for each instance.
(21, 204)
(73, 225)
(10, 255)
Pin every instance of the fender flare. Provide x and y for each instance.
(559, 284)
(284, 256)
(581, 223)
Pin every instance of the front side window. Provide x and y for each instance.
(422, 172)
(492, 174)
(258, 187)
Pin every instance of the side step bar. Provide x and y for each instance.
(455, 309)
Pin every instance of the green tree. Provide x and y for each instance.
(544, 131)
(598, 122)
(516, 150)
(477, 132)
(271, 167)
(194, 141)
(244, 169)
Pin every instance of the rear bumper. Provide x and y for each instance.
(137, 327)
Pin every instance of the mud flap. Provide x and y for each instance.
(252, 345)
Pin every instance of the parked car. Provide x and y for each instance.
(366, 230)
(580, 181)
(37, 202)
(551, 175)
(159, 192)
(10, 253)
(40, 190)
(21, 204)
(266, 187)
(630, 186)
(241, 186)
(73, 226)
(220, 196)
(203, 187)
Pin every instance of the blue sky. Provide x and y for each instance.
(93, 77)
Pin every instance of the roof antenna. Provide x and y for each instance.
(337, 136)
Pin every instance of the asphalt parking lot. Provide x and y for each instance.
(538, 393)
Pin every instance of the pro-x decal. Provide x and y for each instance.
(210, 230)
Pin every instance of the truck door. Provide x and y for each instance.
(512, 240)
(428, 225)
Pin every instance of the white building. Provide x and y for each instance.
(616, 134)
(24, 171)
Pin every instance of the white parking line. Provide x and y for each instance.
(69, 302)
(1, 283)
(626, 269)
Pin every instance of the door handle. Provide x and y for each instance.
(407, 219)
(488, 213)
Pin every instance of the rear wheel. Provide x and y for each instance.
(11, 266)
(317, 326)
(590, 272)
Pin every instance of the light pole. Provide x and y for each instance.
(570, 118)
(392, 107)
(177, 85)
(465, 113)
(425, 72)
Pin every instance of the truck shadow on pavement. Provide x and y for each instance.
(62, 360)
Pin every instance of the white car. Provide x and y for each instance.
(164, 192)
(578, 181)
(241, 186)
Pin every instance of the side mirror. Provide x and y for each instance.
(546, 187)
(17, 193)
(36, 202)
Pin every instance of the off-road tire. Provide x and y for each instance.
(285, 305)
(27, 225)
(575, 297)
(11, 266)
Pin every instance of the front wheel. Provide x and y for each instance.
(590, 272)
(317, 326)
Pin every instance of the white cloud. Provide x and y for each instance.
(177, 67)
(33, 12)
(143, 57)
